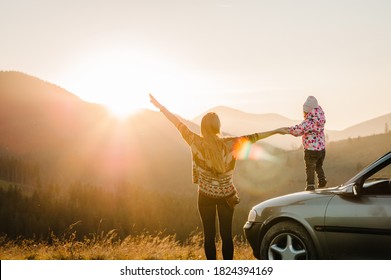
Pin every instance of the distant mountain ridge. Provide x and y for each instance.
(36, 115)
(239, 123)
(381, 124)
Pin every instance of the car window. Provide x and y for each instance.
(379, 183)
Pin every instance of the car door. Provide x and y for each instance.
(359, 227)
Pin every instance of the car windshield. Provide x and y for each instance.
(384, 173)
(379, 183)
(373, 169)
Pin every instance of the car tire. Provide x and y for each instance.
(287, 240)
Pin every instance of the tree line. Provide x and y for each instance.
(38, 209)
(14, 169)
(88, 210)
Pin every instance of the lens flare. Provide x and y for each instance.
(246, 150)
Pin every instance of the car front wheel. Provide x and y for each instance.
(287, 241)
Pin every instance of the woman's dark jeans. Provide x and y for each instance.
(314, 163)
(207, 208)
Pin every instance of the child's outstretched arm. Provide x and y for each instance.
(170, 116)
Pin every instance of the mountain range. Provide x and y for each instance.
(75, 140)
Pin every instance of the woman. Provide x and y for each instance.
(213, 167)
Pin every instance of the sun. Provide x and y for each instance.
(124, 107)
(121, 81)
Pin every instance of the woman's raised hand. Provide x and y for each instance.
(170, 116)
(155, 102)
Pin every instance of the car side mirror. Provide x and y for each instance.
(350, 190)
(356, 189)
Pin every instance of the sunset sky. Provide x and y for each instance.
(254, 55)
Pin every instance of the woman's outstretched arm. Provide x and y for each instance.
(263, 135)
(170, 116)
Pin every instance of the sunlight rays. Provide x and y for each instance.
(121, 80)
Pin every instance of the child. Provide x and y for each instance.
(312, 132)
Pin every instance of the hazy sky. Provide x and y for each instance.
(254, 55)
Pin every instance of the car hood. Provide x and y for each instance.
(298, 198)
(300, 206)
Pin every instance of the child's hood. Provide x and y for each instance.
(317, 115)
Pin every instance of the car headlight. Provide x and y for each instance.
(252, 216)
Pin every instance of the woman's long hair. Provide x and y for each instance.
(215, 149)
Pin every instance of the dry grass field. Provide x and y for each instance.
(108, 247)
